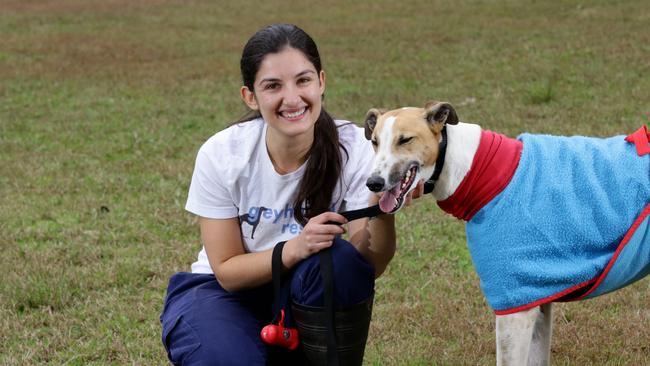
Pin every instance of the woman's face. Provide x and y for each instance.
(288, 93)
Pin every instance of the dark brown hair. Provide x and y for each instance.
(324, 157)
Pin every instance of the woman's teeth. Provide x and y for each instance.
(294, 114)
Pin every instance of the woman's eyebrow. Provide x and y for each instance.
(274, 79)
(268, 80)
(302, 73)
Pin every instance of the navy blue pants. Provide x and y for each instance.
(203, 324)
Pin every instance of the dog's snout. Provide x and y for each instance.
(375, 183)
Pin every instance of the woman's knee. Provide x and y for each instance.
(213, 343)
(354, 277)
(207, 326)
(213, 354)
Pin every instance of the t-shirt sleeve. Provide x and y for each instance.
(208, 196)
(358, 170)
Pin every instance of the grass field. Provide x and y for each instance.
(103, 105)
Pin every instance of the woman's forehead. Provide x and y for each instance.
(287, 63)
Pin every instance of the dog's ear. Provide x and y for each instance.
(371, 121)
(440, 112)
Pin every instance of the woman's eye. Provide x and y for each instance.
(271, 86)
(303, 80)
(404, 140)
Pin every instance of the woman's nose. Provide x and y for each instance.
(291, 96)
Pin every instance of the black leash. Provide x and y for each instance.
(281, 293)
(326, 255)
(281, 288)
(327, 274)
(276, 270)
(279, 334)
(352, 215)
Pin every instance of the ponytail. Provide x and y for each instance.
(322, 171)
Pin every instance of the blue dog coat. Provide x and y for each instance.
(570, 224)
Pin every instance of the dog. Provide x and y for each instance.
(548, 218)
(253, 220)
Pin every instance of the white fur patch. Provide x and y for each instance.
(462, 142)
(384, 159)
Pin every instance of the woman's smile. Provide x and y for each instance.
(294, 114)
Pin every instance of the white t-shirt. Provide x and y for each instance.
(234, 177)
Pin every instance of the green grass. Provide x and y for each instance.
(103, 106)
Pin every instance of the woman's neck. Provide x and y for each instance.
(287, 153)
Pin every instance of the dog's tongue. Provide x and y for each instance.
(388, 202)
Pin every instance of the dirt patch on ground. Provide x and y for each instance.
(112, 39)
(76, 54)
(76, 6)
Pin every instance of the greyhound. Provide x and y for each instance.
(548, 218)
(253, 221)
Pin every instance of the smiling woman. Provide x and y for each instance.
(282, 75)
(289, 94)
(310, 166)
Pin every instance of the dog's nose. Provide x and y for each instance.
(375, 183)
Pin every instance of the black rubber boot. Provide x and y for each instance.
(351, 326)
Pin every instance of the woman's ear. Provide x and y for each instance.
(321, 79)
(249, 98)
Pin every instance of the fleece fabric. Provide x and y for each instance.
(558, 231)
(494, 164)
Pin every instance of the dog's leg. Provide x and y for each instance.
(540, 349)
(515, 336)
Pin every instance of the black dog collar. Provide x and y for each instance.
(430, 184)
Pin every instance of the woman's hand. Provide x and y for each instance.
(317, 235)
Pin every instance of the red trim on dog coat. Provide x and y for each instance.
(640, 139)
(499, 155)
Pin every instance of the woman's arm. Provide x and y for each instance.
(237, 270)
(375, 239)
(232, 266)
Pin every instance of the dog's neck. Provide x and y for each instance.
(462, 142)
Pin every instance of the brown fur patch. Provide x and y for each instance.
(410, 122)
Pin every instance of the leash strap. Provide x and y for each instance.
(327, 275)
(279, 296)
(371, 211)
(430, 184)
(325, 255)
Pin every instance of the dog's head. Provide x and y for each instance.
(406, 148)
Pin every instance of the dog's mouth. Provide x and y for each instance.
(393, 199)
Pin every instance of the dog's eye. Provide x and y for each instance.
(404, 140)
(374, 142)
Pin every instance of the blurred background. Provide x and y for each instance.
(104, 104)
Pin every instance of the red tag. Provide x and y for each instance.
(640, 139)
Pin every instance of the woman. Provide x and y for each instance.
(281, 174)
